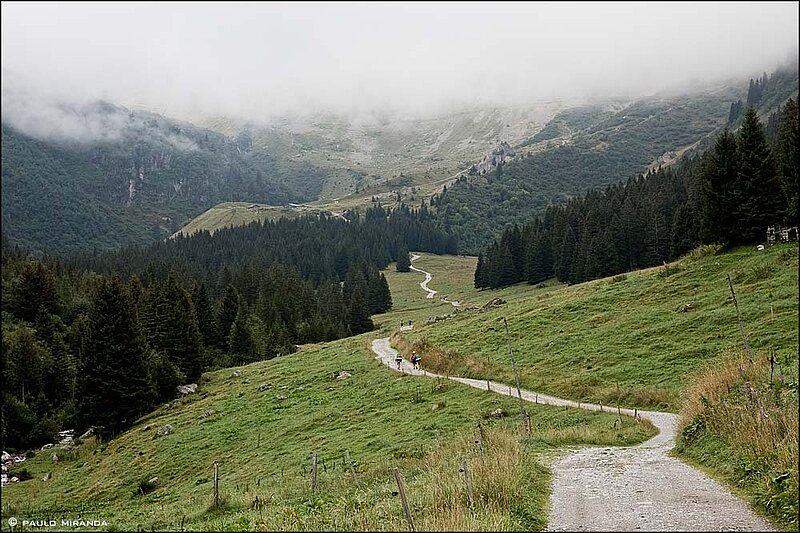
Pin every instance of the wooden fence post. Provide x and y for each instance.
(216, 484)
(467, 482)
(479, 440)
(402, 492)
(350, 464)
(313, 471)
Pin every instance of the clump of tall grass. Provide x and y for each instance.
(741, 419)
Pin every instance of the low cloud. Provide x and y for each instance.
(256, 61)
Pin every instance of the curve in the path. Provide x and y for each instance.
(428, 278)
(639, 488)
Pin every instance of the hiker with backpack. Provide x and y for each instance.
(415, 359)
(398, 359)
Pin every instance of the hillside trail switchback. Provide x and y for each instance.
(637, 488)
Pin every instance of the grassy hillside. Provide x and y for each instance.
(263, 444)
(228, 214)
(634, 339)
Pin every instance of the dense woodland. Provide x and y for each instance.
(99, 340)
(730, 194)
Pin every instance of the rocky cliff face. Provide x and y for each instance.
(499, 156)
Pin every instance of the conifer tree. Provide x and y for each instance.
(205, 316)
(358, 319)
(226, 315)
(115, 383)
(787, 150)
(757, 191)
(34, 289)
(403, 260)
(719, 175)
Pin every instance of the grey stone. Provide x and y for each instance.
(344, 375)
(54, 458)
(165, 430)
(264, 386)
(498, 413)
(146, 428)
(187, 389)
(280, 397)
(236, 374)
(153, 481)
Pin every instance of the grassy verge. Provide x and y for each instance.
(263, 440)
(740, 423)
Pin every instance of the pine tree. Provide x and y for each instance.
(358, 319)
(788, 160)
(226, 315)
(181, 341)
(403, 260)
(115, 383)
(205, 316)
(35, 289)
(241, 342)
(757, 191)
(481, 278)
(719, 175)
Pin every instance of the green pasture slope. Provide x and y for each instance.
(263, 444)
(633, 339)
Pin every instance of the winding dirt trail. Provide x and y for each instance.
(640, 488)
(428, 278)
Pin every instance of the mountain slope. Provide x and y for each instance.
(139, 177)
(590, 147)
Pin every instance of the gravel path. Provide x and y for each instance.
(428, 278)
(640, 488)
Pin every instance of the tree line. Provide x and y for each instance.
(100, 339)
(730, 194)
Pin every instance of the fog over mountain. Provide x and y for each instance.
(259, 60)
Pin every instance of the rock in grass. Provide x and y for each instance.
(344, 375)
(187, 389)
(236, 374)
(264, 386)
(165, 430)
(498, 413)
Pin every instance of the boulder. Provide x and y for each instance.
(206, 414)
(264, 386)
(165, 430)
(498, 413)
(236, 374)
(14, 479)
(54, 458)
(47, 446)
(153, 481)
(280, 397)
(46, 477)
(344, 375)
(187, 389)
(6, 456)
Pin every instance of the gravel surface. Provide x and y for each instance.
(640, 488)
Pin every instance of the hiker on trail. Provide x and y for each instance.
(415, 358)
(398, 359)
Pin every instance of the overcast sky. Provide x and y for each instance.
(264, 58)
